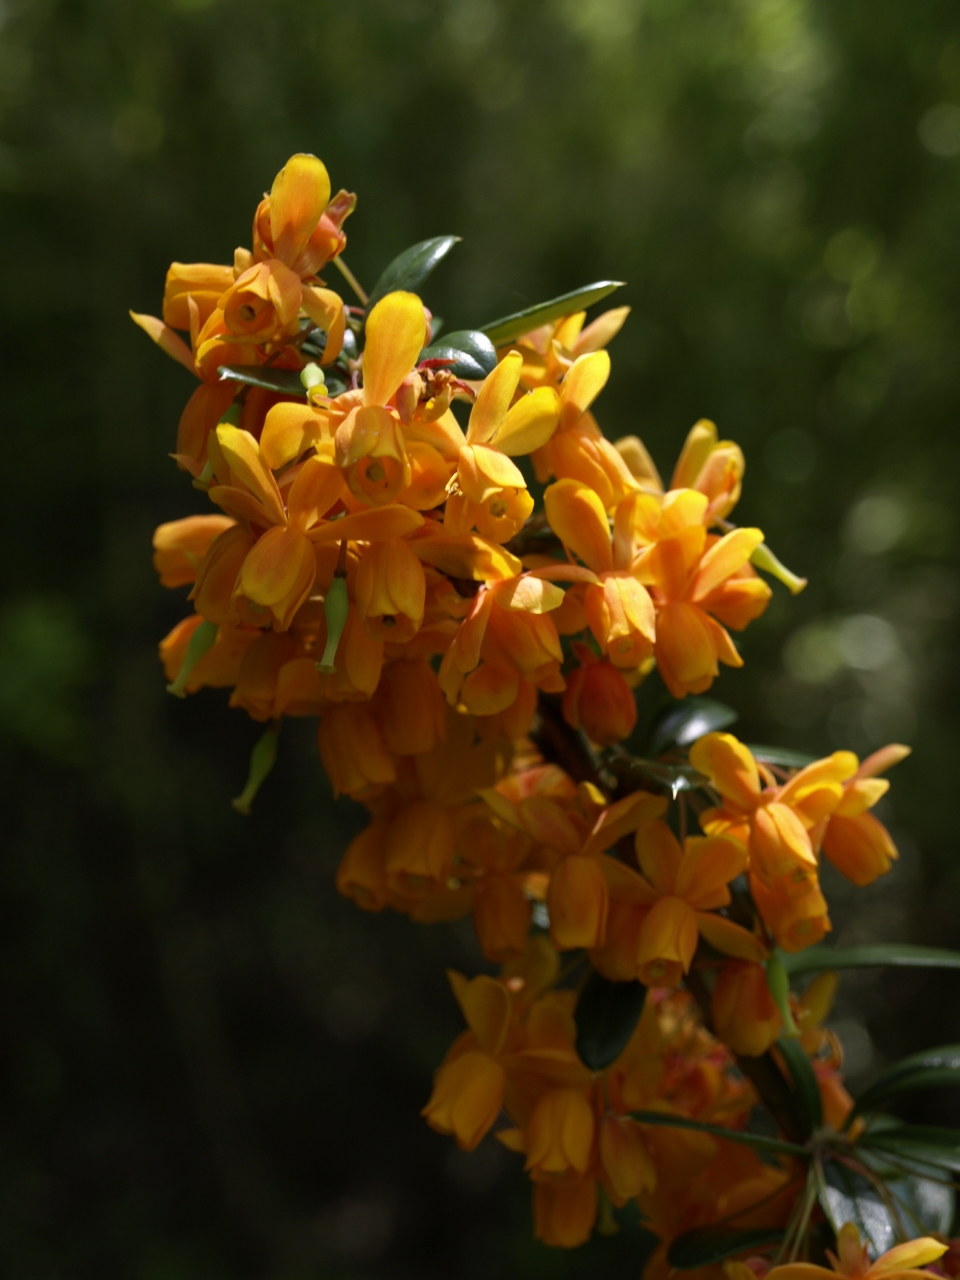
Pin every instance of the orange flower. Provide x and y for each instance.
(698, 582)
(745, 1015)
(618, 608)
(854, 841)
(579, 450)
(599, 701)
(776, 821)
(902, 1262)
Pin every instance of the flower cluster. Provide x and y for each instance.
(375, 560)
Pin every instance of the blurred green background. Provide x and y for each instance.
(212, 1066)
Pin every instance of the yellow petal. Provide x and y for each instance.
(289, 429)
(166, 339)
(529, 593)
(242, 454)
(724, 559)
(317, 487)
(623, 817)
(696, 450)
(600, 332)
(731, 939)
(380, 524)
(577, 517)
(325, 308)
(529, 424)
(584, 381)
(493, 399)
(298, 197)
(396, 328)
(903, 1257)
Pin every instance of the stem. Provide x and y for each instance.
(561, 745)
(763, 1073)
(351, 280)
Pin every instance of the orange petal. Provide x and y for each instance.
(486, 1008)
(396, 328)
(166, 339)
(584, 381)
(317, 487)
(724, 558)
(529, 424)
(377, 525)
(242, 454)
(493, 399)
(577, 517)
(299, 195)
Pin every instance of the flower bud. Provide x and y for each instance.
(599, 701)
(559, 1133)
(391, 591)
(564, 1212)
(745, 1015)
(467, 1097)
(577, 901)
(626, 1160)
(501, 917)
(352, 750)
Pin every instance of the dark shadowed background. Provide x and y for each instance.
(212, 1066)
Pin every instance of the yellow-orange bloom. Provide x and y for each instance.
(902, 1262)
(856, 843)
(745, 1015)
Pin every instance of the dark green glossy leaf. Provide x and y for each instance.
(847, 1196)
(606, 1015)
(689, 721)
(919, 1143)
(815, 959)
(759, 1141)
(927, 1070)
(472, 352)
(285, 382)
(707, 1245)
(805, 1088)
(512, 326)
(920, 1201)
(640, 773)
(781, 756)
(409, 269)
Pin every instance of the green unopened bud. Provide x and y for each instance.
(262, 759)
(200, 643)
(763, 558)
(311, 376)
(336, 609)
(778, 983)
(231, 416)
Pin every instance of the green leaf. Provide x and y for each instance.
(689, 721)
(848, 1196)
(606, 1015)
(707, 1245)
(759, 1141)
(640, 773)
(925, 1207)
(781, 756)
(473, 353)
(919, 1143)
(815, 959)
(926, 1070)
(409, 269)
(285, 382)
(805, 1088)
(512, 326)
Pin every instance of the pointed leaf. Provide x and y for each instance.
(805, 1088)
(927, 1070)
(920, 1143)
(473, 354)
(509, 327)
(759, 1141)
(606, 1016)
(847, 1196)
(694, 717)
(899, 955)
(708, 1245)
(409, 269)
(634, 773)
(286, 382)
